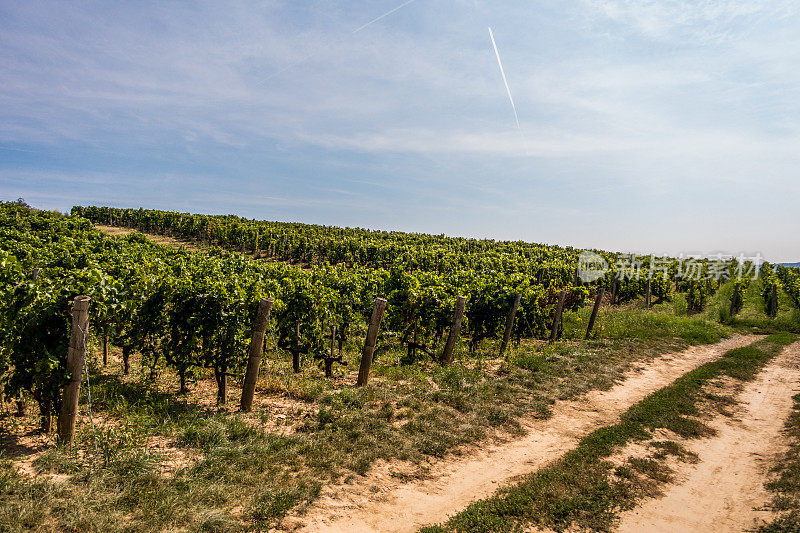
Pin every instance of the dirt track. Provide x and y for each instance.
(724, 491)
(381, 503)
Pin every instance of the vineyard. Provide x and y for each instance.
(344, 347)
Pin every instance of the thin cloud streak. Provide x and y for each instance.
(314, 54)
(373, 21)
(505, 80)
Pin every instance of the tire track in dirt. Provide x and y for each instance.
(379, 503)
(725, 490)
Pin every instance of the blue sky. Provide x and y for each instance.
(648, 126)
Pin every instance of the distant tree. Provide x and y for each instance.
(20, 202)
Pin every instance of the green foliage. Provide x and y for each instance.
(789, 279)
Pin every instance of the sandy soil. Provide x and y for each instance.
(725, 490)
(379, 502)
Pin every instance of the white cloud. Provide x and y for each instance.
(704, 20)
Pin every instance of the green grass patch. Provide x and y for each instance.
(665, 320)
(786, 484)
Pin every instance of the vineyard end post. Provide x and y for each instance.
(557, 318)
(75, 360)
(600, 292)
(512, 313)
(455, 331)
(774, 300)
(369, 343)
(255, 352)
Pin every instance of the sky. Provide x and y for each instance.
(641, 126)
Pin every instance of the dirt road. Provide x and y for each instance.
(725, 489)
(381, 503)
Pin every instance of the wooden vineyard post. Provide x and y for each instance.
(773, 301)
(557, 319)
(105, 349)
(75, 361)
(222, 387)
(600, 292)
(369, 343)
(254, 353)
(126, 361)
(296, 352)
(455, 331)
(329, 362)
(649, 293)
(512, 313)
(614, 287)
(22, 408)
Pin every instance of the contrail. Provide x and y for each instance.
(313, 54)
(503, 73)
(373, 21)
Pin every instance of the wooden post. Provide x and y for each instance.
(557, 317)
(329, 364)
(105, 349)
(455, 331)
(512, 313)
(22, 407)
(296, 352)
(254, 353)
(369, 343)
(222, 386)
(126, 362)
(774, 301)
(649, 292)
(75, 362)
(600, 292)
(614, 286)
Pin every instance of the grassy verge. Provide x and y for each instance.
(786, 484)
(581, 490)
(664, 320)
